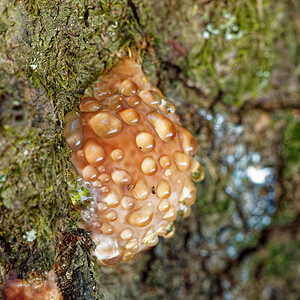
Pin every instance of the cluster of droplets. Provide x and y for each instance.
(136, 159)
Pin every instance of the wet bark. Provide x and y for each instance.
(233, 71)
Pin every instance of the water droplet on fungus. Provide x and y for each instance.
(127, 202)
(134, 100)
(151, 239)
(142, 216)
(151, 98)
(163, 126)
(145, 142)
(149, 166)
(102, 91)
(94, 153)
(164, 205)
(89, 104)
(197, 171)
(125, 147)
(89, 173)
(140, 190)
(188, 192)
(182, 161)
(163, 189)
(120, 177)
(170, 215)
(112, 199)
(188, 143)
(165, 161)
(126, 234)
(129, 87)
(167, 106)
(130, 116)
(117, 155)
(73, 130)
(106, 125)
(111, 216)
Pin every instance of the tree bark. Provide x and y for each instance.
(218, 60)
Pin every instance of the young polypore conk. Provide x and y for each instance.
(137, 160)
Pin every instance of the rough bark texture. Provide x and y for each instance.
(232, 68)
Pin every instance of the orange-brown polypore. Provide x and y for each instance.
(16, 289)
(136, 159)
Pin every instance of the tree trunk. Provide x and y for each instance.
(233, 71)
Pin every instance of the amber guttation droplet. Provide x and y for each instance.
(140, 190)
(188, 192)
(129, 87)
(89, 104)
(73, 130)
(133, 246)
(145, 142)
(97, 184)
(127, 202)
(142, 216)
(104, 178)
(164, 205)
(158, 91)
(80, 157)
(101, 169)
(80, 153)
(89, 173)
(182, 161)
(185, 211)
(162, 125)
(151, 98)
(94, 153)
(165, 161)
(134, 100)
(112, 199)
(128, 256)
(112, 261)
(151, 240)
(163, 189)
(117, 155)
(126, 234)
(102, 91)
(107, 250)
(102, 206)
(188, 143)
(168, 173)
(145, 79)
(120, 177)
(106, 125)
(107, 228)
(105, 189)
(116, 102)
(162, 230)
(197, 171)
(167, 106)
(170, 215)
(170, 231)
(111, 216)
(130, 116)
(149, 166)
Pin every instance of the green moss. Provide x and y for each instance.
(291, 140)
(281, 260)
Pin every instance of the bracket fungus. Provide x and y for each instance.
(136, 159)
(15, 289)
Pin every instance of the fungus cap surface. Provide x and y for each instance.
(135, 158)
